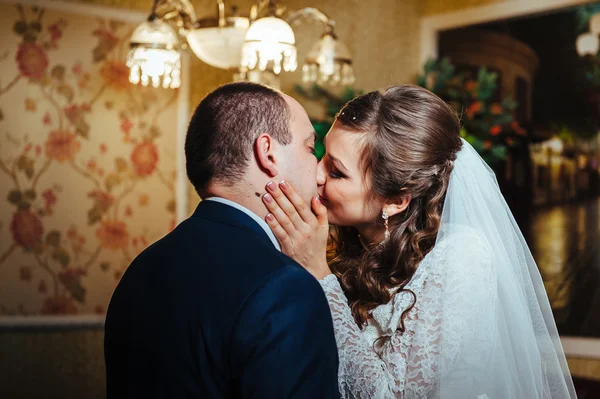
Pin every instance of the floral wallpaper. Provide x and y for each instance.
(87, 161)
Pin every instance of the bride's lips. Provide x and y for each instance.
(322, 198)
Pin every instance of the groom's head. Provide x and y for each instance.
(243, 135)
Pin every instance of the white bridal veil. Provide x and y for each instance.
(514, 351)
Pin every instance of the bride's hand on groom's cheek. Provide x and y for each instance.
(301, 233)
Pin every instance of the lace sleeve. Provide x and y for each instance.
(361, 374)
(454, 292)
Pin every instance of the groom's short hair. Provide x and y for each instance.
(224, 127)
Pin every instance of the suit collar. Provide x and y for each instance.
(233, 216)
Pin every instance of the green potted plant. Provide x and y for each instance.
(487, 123)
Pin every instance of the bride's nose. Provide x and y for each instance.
(321, 173)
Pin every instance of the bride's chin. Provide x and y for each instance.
(331, 218)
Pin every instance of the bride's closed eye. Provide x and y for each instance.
(336, 174)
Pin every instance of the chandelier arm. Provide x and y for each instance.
(221, 12)
(259, 6)
(181, 12)
(314, 14)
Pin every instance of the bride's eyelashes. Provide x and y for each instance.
(336, 174)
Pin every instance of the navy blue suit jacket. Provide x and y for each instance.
(214, 310)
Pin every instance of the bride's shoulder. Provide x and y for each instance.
(460, 245)
(461, 238)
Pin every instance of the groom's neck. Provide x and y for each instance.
(247, 196)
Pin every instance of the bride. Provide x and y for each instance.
(431, 286)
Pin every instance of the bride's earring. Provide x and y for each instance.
(386, 218)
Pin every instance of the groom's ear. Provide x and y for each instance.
(264, 148)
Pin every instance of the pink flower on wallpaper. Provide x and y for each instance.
(49, 198)
(145, 158)
(72, 232)
(126, 126)
(106, 36)
(113, 235)
(103, 148)
(47, 120)
(62, 146)
(102, 199)
(91, 165)
(27, 229)
(25, 273)
(77, 68)
(30, 104)
(32, 60)
(61, 304)
(55, 32)
(143, 200)
(116, 74)
(38, 150)
(71, 274)
(74, 112)
(128, 211)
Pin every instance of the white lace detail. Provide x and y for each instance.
(409, 364)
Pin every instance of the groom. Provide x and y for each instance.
(214, 309)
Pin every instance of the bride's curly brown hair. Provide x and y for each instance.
(411, 141)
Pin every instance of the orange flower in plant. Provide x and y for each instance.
(26, 229)
(496, 109)
(62, 146)
(471, 85)
(32, 60)
(495, 130)
(518, 129)
(115, 74)
(61, 304)
(144, 158)
(473, 109)
(487, 145)
(113, 235)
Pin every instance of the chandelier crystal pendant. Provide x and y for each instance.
(270, 41)
(328, 63)
(261, 44)
(154, 58)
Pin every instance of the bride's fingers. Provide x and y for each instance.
(281, 235)
(285, 204)
(301, 207)
(320, 211)
(280, 216)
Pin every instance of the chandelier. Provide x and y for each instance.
(588, 43)
(258, 47)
